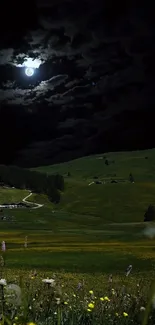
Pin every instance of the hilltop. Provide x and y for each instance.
(122, 201)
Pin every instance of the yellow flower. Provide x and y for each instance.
(91, 305)
(102, 299)
(65, 303)
(74, 295)
(91, 292)
(89, 310)
(31, 323)
(125, 314)
(106, 298)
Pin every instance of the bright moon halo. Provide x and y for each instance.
(29, 72)
(30, 66)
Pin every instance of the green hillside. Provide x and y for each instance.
(124, 162)
(109, 202)
(91, 221)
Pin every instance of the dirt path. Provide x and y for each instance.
(29, 202)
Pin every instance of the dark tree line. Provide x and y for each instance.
(37, 182)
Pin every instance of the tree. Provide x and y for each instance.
(35, 181)
(150, 213)
(106, 162)
(131, 178)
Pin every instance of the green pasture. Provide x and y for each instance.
(95, 228)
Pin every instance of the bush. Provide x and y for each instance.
(150, 213)
(131, 178)
(107, 162)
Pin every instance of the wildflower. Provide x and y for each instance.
(128, 270)
(91, 292)
(3, 246)
(31, 323)
(33, 274)
(91, 305)
(106, 298)
(16, 318)
(102, 299)
(25, 242)
(89, 309)
(125, 314)
(58, 301)
(79, 286)
(65, 303)
(49, 281)
(74, 295)
(3, 282)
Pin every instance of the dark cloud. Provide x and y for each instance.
(95, 62)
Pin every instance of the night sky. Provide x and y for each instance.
(92, 88)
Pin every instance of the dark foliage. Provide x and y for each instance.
(150, 213)
(131, 178)
(106, 162)
(37, 182)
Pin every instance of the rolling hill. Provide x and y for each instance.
(122, 201)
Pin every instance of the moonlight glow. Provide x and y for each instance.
(30, 66)
(29, 72)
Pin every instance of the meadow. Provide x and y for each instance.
(85, 244)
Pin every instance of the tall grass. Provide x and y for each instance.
(60, 298)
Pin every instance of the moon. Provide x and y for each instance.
(29, 72)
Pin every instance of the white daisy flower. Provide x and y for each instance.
(49, 281)
(3, 282)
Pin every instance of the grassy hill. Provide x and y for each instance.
(109, 202)
(95, 228)
(124, 163)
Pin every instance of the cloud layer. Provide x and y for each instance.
(96, 62)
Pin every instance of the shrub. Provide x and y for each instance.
(131, 178)
(106, 162)
(150, 213)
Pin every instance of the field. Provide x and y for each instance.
(95, 231)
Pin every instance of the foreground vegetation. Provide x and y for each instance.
(94, 232)
(47, 298)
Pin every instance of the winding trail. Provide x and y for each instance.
(29, 202)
